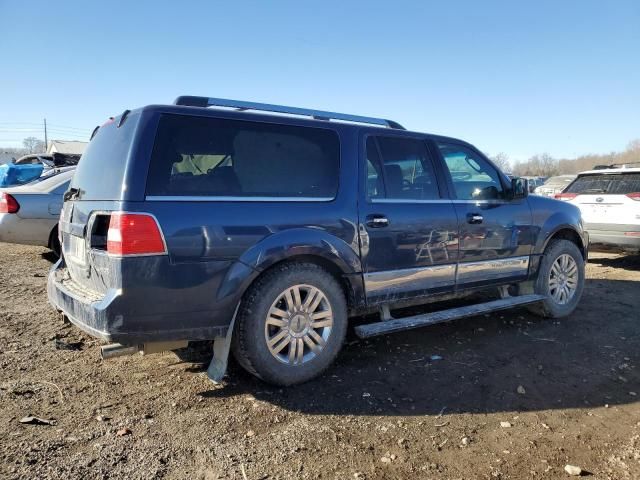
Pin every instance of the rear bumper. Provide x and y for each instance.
(616, 235)
(109, 318)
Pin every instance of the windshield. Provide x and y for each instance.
(613, 184)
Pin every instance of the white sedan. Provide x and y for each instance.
(29, 213)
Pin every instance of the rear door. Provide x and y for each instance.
(496, 234)
(408, 226)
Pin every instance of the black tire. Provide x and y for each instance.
(54, 242)
(549, 307)
(249, 339)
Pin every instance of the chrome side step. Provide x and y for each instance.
(407, 323)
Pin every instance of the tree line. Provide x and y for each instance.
(544, 165)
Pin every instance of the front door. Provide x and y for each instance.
(408, 226)
(496, 233)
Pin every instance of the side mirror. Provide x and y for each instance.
(519, 188)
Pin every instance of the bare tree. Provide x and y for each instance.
(502, 161)
(543, 165)
(634, 146)
(34, 145)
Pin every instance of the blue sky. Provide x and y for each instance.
(561, 77)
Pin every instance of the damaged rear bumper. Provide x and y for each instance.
(111, 318)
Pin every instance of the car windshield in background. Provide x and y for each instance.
(613, 184)
(560, 180)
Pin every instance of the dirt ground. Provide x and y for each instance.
(569, 390)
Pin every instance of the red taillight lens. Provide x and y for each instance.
(8, 204)
(134, 234)
(634, 196)
(565, 196)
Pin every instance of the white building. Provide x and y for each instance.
(66, 146)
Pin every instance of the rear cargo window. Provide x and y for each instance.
(614, 184)
(200, 156)
(101, 169)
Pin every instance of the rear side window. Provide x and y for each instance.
(614, 184)
(400, 168)
(200, 156)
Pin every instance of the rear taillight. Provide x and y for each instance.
(634, 196)
(565, 196)
(134, 234)
(8, 204)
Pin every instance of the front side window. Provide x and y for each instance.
(202, 156)
(473, 177)
(404, 166)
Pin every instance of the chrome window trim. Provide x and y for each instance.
(406, 200)
(482, 202)
(205, 198)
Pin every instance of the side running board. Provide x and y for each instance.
(407, 323)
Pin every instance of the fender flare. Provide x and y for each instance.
(284, 245)
(554, 224)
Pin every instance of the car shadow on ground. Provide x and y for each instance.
(626, 262)
(585, 360)
(49, 256)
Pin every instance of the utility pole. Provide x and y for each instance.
(46, 143)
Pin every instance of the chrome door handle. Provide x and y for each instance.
(377, 221)
(474, 218)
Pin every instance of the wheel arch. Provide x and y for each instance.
(331, 253)
(567, 233)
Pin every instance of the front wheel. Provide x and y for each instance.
(560, 279)
(291, 324)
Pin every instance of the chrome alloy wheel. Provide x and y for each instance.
(298, 324)
(563, 279)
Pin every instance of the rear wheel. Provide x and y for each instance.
(291, 324)
(560, 279)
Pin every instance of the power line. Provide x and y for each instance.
(38, 126)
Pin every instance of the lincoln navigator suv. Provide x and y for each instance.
(266, 228)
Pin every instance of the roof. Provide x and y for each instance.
(67, 146)
(259, 115)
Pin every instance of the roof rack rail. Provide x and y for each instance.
(616, 165)
(191, 101)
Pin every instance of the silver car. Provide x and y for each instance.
(29, 213)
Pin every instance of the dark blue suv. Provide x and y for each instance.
(264, 228)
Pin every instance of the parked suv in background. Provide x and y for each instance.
(267, 232)
(609, 199)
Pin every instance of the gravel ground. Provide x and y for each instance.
(513, 397)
